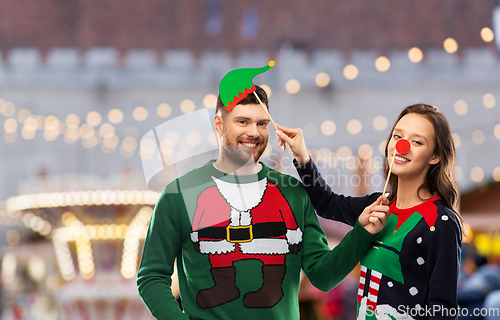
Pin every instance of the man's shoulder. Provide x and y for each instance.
(283, 180)
(193, 178)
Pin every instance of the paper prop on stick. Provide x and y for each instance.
(402, 147)
(237, 84)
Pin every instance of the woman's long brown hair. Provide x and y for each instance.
(439, 179)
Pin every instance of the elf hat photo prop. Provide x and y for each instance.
(237, 84)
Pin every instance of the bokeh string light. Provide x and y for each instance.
(94, 133)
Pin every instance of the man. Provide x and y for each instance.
(241, 232)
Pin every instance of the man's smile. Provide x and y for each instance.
(249, 145)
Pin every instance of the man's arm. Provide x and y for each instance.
(162, 245)
(326, 268)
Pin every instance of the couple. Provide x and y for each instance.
(241, 232)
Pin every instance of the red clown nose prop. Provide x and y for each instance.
(403, 146)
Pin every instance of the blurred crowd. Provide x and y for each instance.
(479, 284)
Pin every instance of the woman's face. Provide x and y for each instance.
(420, 133)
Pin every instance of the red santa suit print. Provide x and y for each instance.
(235, 222)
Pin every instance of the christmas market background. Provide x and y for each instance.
(82, 82)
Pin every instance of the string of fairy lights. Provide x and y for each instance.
(93, 131)
(90, 137)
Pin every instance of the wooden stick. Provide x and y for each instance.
(265, 109)
(389, 174)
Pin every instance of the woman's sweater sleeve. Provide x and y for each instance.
(326, 268)
(443, 261)
(327, 203)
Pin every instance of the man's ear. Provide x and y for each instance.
(218, 123)
(435, 159)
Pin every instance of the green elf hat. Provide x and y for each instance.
(237, 84)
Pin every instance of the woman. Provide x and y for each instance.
(412, 270)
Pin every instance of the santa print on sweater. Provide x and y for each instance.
(236, 222)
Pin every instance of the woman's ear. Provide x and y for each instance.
(218, 123)
(434, 160)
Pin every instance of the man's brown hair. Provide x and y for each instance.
(249, 99)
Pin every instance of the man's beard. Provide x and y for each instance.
(240, 155)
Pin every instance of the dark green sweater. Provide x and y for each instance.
(172, 235)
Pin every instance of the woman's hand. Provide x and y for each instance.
(374, 217)
(295, 140)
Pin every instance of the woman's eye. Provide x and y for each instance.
(417, 142)
(397, 136)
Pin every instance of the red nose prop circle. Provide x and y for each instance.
(403, 146)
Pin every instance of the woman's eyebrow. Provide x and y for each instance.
(420, 136)
(415, 134)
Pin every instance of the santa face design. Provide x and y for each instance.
(229, 227)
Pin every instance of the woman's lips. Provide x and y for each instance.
(400, 159)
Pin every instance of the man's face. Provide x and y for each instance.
(244, 132)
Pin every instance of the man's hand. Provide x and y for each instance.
(374, 217)
(295, 140)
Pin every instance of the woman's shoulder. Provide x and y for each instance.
(444, 212)
(445, 217)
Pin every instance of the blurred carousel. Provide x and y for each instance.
(97, 228)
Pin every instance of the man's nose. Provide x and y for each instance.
(253, 131)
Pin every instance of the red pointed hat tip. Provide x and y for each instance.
(403, 146)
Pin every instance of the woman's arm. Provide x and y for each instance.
(443, 260)
(326, 268)
(327, 203)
